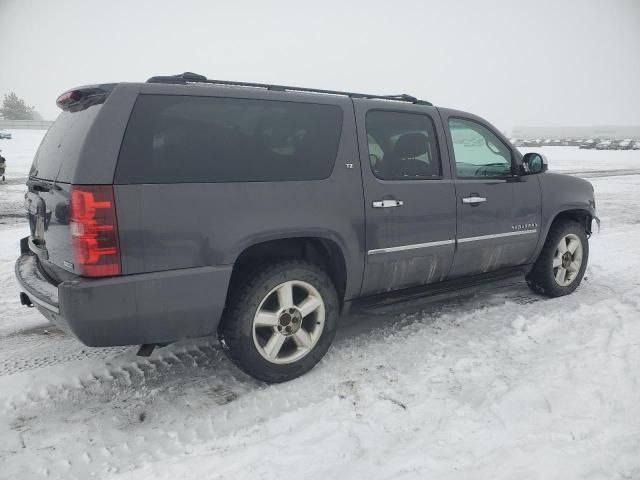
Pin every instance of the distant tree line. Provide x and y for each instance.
(15, 108)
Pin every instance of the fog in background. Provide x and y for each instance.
(534, 62)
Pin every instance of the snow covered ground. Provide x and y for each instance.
(503, 384)
(19, 153)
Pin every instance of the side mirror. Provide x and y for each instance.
(533, 163)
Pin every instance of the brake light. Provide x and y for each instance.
(67, 99)
(94, 230)
(84, 97)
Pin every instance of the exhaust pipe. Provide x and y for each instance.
(25, 300)
(146, 350)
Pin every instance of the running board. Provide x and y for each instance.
(435, 292)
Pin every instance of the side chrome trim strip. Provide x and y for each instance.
(411, 247)
(440, 243)
(496, 235)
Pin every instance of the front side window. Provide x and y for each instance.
(402, 146)
(478, 152)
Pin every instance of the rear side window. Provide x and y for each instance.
(402, 146)
(59, 151)
(174, 139)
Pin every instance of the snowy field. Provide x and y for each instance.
(503, 384)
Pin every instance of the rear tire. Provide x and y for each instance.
(562, 262)
(280, 320)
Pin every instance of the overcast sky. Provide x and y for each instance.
(530, 62)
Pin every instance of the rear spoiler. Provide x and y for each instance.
(83, 97)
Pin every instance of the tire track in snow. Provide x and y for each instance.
(123, 372)
(21, 361)
(599, 173)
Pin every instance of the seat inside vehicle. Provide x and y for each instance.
(404, 159)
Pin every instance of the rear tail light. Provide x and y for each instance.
(94, 231)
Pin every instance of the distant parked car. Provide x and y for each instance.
(589, 144)
(5, 134)
(604, 145)
(636, 145)
(3, 165)
(625, 144)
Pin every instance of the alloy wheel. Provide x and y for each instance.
(288, 322)
(567, 260)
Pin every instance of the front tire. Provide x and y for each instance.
(280, 320)
(562, 262)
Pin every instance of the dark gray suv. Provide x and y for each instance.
(185, 207)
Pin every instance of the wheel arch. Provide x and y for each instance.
(582, 215)
(322, 251)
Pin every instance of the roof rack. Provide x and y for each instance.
(189, 77)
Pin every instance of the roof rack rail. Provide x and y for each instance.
(189, 77)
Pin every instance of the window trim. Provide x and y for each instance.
(435, 136)
(454, 164)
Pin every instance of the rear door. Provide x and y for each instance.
(80, 148)
(50, 177)
(498, 212)
(409, 195)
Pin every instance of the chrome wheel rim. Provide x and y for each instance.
(567, 260)
(288, 322)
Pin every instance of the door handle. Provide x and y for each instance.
(473, 200)
(387, 203)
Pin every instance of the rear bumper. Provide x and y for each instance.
(41, 292)
(158, 307)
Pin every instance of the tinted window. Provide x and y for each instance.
(172, 139)
(402, 146)
(59, 151)
(478, 152)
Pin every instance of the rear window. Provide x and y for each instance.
(173, 139)
(59, 151)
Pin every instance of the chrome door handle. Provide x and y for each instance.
(473, 199)
(387, 203)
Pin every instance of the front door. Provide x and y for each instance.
(409, 196)
(498, 212)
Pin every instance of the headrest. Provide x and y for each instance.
(411, 145)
